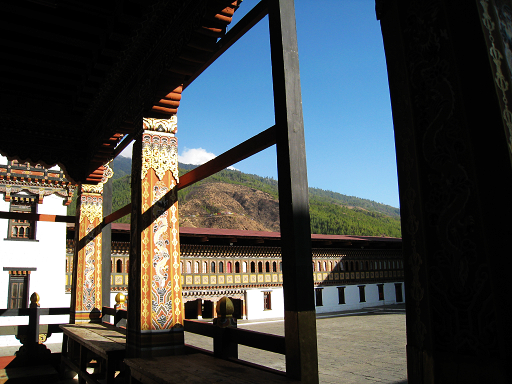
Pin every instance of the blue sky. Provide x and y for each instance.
(345, 96)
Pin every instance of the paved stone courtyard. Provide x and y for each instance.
(366, 346)
(363, 347)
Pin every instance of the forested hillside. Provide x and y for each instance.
(331, 212)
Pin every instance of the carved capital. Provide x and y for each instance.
(161, 125)
(90, 188)
(160, 153)
(91, 206)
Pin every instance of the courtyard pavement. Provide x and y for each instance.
(358, 347)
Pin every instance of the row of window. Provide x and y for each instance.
(260, 267)
(230, 267)
(362, 294)
(328, 266)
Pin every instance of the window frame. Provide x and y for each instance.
(319, 300)
(380, 288)
(267, 300)
(17, 275)
(362, 293)
(30, 206)
(341, 296)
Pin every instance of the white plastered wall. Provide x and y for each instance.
(330, 298)
(47, 255)
(255, 304)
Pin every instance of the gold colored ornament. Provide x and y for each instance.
(91, 207)
(89, 188)
(160, 153)
(161, 125)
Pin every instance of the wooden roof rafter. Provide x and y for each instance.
(90, 71)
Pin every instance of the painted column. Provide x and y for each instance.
(86, 289)
(155, 307)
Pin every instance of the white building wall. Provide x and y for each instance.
(255, 305)
(47, 255)
(352, 300)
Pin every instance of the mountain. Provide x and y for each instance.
(222, 205)
(331, 212)
(121, 166)
(235, 200)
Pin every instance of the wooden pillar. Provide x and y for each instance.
(451, 96)
(300, 318)
(155, 307)
(106, 245)
(86, 289)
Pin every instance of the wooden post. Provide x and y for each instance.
(86, 283)
(106, 243)
(223, 347)
(300, 318)
(120, 306)
(86, 291)
(155, 307)
(33, 321)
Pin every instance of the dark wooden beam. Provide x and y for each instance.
(242, 151)
(121, 212)
(300, 317)
(37, 217)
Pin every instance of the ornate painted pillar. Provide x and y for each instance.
(155, 307)
(86, 300)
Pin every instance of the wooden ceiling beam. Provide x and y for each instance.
(24, 85)
(50, 37)
(39, 62)
(52, 79)
(78, 58)
(88, 26)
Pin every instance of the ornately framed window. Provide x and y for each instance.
(19, 229)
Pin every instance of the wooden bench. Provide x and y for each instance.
(197, 368)
(93, 341)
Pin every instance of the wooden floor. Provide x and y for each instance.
(198, 368)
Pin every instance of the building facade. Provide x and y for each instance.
(30, 250)
(350, 272)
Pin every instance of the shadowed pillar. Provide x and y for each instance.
(86, 301)
(155, 307)
(450, 91)
(299, 305)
